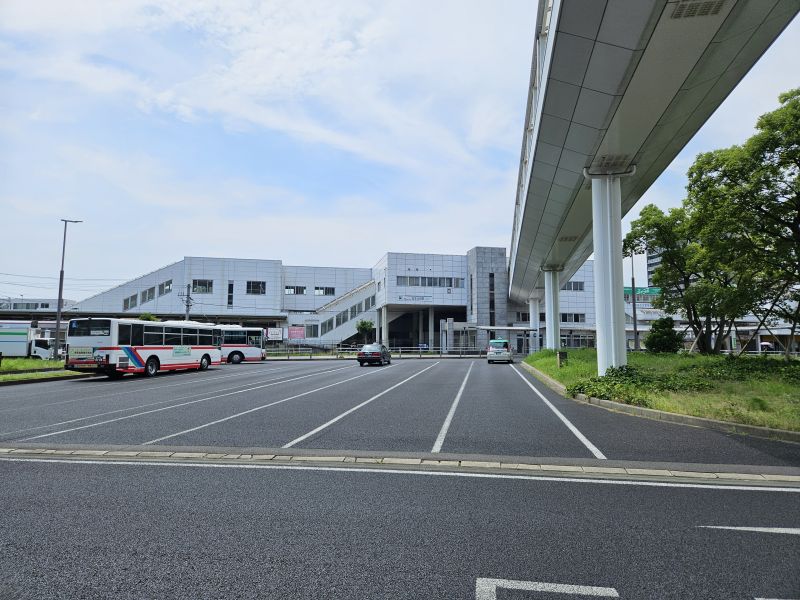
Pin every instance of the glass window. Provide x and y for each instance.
(234, 336)
(137, 335)
(258, 288)
(89, 327)
(203, 286)
(189, 337)
(148, 295)
(312, 331)
(165, 288)
(124, 335)
(291, 290)
(172, 336)
(153, 336)
(206, 337)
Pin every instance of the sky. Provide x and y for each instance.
(317, 133)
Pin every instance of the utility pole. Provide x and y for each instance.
(187, 299)
(61, 288)
(633, 297)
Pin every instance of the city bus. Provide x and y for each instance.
(241, 344)
(119, 346)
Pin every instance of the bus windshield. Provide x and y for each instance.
(89, 327)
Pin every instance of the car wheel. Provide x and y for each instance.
(151, 367)
(361, 363)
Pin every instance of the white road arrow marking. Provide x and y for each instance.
(786, 530)
(486, 589)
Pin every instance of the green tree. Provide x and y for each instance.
(752, 194)
(663, 337)
(146, 316)
(695, 277)
(365, 327)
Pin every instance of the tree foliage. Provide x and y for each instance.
(663, 337)
(146, 316)
(752, 193)
(733, 247)
(695, 279)
(365, 327)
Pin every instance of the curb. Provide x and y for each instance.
(45, 379)
(718, 475)
(783, 435)
(23, 371)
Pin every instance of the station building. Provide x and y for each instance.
(434, 300)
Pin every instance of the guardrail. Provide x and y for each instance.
(351, 352)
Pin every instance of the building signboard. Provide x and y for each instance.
(275, 334)
(297, 333)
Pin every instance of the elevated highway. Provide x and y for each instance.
(617, 89)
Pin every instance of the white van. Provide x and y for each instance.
(499, 350)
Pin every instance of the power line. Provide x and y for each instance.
(70, 278)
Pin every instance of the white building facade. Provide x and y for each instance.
(413, 300)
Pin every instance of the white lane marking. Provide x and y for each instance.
(584, 440)
(111, 412)
(247, 412)
(623, 482)
(786, 530)
(114, 394)
(147, 412)
(486, 589)
(355, 408)
(437, 446)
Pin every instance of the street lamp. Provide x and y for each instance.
(61, 287)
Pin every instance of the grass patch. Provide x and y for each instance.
(47, 375)
(23, 364)
(763, 391)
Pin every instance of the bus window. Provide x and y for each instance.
(153, 336)
(124, 335)
(137, 335)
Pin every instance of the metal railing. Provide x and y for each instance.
(351, 352)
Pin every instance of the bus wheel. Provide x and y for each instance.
(236, 358)
(204, 362)
(151, 367)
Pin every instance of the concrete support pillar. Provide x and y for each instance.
(608, 283)
(385, 326)
(552, 316)
(421, 321)
(377, 325)
(430, 328)
(533, 335)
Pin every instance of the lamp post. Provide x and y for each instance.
(61, 287)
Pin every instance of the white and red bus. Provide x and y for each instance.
(241, 344)
(119, 346)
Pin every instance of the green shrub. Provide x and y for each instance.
(663, 337)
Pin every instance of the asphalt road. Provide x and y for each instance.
(83, 530)
(337, 405)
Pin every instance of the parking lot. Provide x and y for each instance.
(447, 406)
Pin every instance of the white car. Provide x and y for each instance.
(499, 350)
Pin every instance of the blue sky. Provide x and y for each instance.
(316, 133)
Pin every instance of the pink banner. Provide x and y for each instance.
(297, 333)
